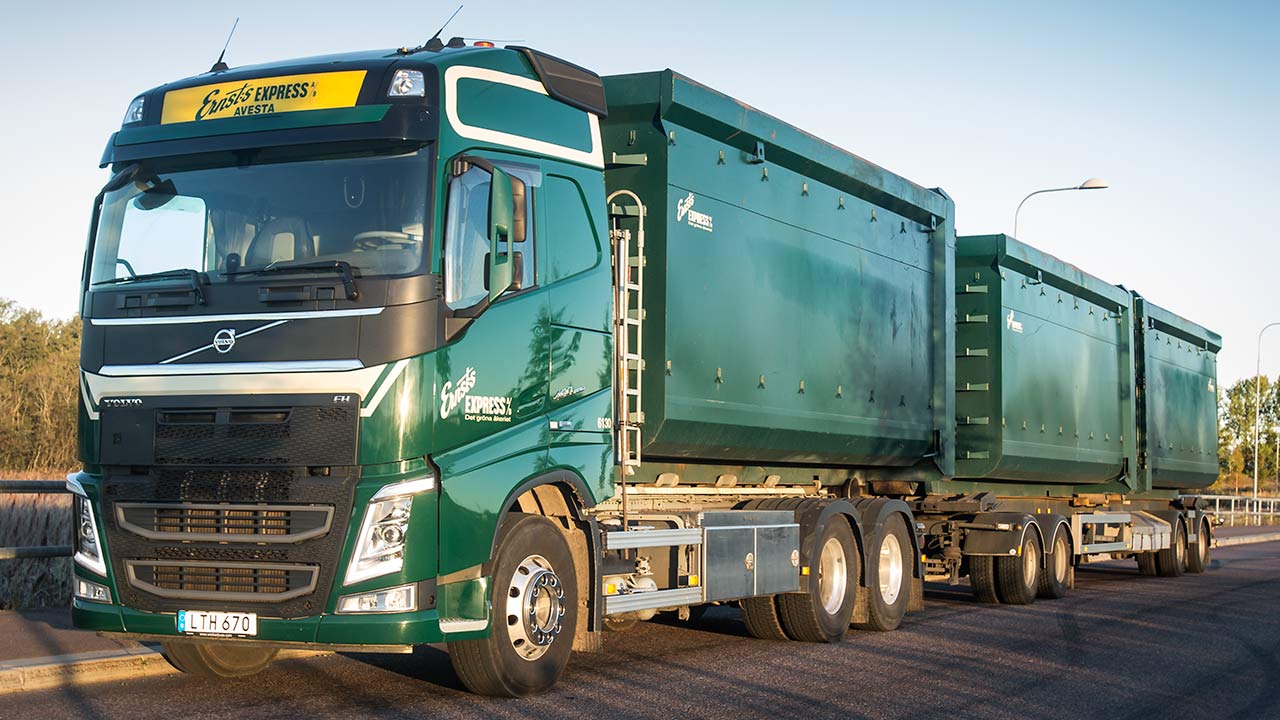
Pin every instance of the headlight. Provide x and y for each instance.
(134, 113)
(88, 550)
(407, 83)
(381, 542)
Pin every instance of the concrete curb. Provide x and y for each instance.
(1246, 539)
(94, 667)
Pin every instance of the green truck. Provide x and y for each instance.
(464, 344)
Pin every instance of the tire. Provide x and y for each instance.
(1171, 560)
(535, 611)
(892, 557)
(1198, 554)
(982, 578)
(211, 659)
(822, 614)
(1055, 577)
(761, 616)
(1018, 576)
(1146, 564)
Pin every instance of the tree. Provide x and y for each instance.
(1235, 433)
(39, 389)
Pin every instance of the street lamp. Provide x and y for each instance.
(1090, 184)
(1257, 406)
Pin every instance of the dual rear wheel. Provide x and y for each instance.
(825, 611)
(1019, 579)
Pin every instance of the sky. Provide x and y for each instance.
(1175, 104)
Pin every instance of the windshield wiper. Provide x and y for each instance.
(342, 266)
(192, 275)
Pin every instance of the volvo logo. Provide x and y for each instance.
(224, 340)
(122, 402)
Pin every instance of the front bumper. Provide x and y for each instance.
(391, 632)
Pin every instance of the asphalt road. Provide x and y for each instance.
(1120, 646)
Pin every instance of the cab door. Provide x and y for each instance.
(491, 376)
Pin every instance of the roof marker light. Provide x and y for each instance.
(407, 83)
(483, 43)
(134, 113)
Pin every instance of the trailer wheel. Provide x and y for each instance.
(1056, 578)
(1018, 576)
(890, 576)
(1171, 560)
(1198, 554)
(761, 616)
(1146, 564)
(982, 578)
(224, 660)
(822, 614)
(535, 608)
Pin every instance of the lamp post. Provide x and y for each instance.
(1090, 184)
(1257, 406)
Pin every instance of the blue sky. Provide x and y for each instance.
(1174, 103)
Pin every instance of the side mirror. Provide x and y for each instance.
(501, 222)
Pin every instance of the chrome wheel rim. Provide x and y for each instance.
(890, 569)
(535, 607)
(1030, 563)
(1202, 543)
(1180, 545)
(833, 576)
(1060, 559)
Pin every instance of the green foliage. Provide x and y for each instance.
(39, 360)
(1236, 408)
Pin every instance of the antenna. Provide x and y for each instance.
(434, 43)
(219, 66)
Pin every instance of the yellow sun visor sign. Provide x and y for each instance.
(263, 96)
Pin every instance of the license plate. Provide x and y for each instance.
(212, 622)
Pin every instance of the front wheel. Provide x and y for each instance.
(211, 659)
(535, 606)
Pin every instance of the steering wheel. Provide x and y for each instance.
(374, 239)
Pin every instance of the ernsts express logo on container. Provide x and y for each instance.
(263, 96)
(475, 408)
(684, 209)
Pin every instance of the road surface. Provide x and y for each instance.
(1120, 646)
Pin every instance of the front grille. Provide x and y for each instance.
(276, 535)
(221, 523)
(302, 435)
(243, 582)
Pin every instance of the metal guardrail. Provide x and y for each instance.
(1245, 510)
(34, 487)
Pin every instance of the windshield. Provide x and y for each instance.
(364, 210)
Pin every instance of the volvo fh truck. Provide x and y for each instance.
(464, 344)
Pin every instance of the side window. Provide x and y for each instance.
(571, 242)
(466, 240)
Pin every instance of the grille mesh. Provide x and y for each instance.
(224, 523)
(251, 582)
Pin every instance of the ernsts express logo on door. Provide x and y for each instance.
(263, 96)
(475, 408)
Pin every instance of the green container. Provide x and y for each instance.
(1177, 399)
(796, 295)
(1044, 370)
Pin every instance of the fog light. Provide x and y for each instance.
(92, 591)
(396, 599)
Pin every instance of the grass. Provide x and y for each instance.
(35, 520)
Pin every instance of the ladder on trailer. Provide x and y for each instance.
(628, 315)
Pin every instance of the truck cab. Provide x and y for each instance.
(340, 314)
